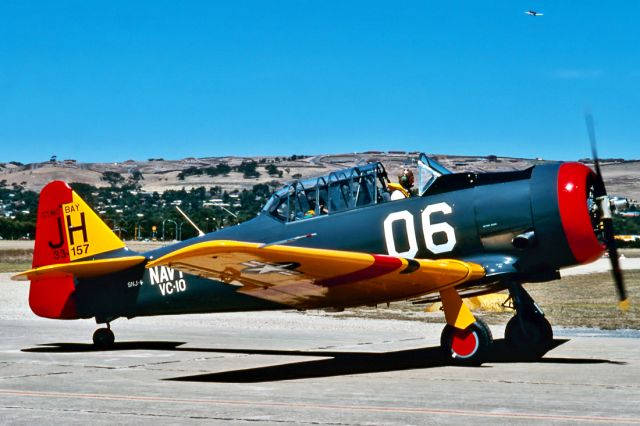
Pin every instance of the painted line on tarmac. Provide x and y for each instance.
(287, 405)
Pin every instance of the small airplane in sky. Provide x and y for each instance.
(340, 241)
(533, 13)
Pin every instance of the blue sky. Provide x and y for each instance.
(117, 80)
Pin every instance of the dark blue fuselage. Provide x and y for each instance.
(467, 216)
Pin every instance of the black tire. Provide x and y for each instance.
(474, 352)
(103, 338)
(529, 337)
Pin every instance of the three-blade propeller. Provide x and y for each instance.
(604, 207)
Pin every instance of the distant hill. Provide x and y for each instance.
(231, 173)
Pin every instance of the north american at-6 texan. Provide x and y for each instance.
(339, 241)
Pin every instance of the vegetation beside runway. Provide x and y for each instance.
(15, 259)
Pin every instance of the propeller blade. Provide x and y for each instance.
(616, 271)
(606, 219)
(588, 118)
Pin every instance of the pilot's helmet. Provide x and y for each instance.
(406, 178)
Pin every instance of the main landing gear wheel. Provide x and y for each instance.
(103, 338)
(469, 346)
(530, 337)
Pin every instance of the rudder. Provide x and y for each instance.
(67, 229)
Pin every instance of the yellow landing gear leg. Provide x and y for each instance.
(465, 339)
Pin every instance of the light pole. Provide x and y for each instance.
(175, 224)
(180, 231)
(140, 220)
(123, 223)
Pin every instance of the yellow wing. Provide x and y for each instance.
(314, 278)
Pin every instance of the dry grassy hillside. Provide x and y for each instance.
(623, 178)
(161, 175)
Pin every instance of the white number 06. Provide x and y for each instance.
(428, 230)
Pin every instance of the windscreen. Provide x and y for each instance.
(428, 171)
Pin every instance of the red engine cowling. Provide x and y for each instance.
(561, 200)
(574, 184)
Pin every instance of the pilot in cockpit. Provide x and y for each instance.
(402, 189)
(312, 207)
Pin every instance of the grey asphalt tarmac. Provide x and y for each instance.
(298, 368)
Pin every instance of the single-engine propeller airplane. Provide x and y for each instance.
(339, 241)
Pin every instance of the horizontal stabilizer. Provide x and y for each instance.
(80, 269)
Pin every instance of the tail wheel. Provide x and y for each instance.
(103, 338)
(469, 346)
(530, 336)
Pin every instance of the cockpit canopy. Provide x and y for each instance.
(339, 191)
(343, 190)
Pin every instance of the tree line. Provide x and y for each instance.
(134, 214)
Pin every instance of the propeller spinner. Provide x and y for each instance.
(604, 206)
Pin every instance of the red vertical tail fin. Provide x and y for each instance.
(67, 229)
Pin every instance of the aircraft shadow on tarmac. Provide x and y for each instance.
(332, 364)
